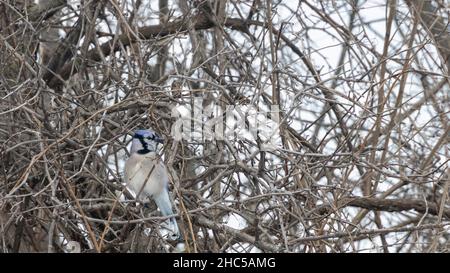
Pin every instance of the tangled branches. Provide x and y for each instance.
(359, 155)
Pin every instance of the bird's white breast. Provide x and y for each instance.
(145, 175)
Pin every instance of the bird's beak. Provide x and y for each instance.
(159, 140)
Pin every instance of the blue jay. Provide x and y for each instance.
(146, 175)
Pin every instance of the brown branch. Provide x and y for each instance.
(391, 205)
(346, 234)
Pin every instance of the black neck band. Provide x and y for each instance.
(143, 151)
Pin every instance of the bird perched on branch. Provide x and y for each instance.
(146, 175)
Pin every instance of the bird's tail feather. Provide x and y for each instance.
(162, 200)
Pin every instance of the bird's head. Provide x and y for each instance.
(145, 141)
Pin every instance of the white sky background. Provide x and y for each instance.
(323, 46)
